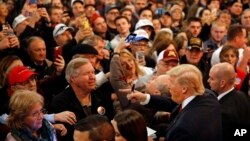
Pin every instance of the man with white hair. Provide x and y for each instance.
(80, 97)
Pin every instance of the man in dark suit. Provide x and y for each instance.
(197, 106)
(235, 106)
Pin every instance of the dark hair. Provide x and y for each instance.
(144, 9)
(125, 9)
(122, 17)
(209, 1)
(131, 125)
(226, 48)
(231, 2)
(234, 31)
(51, 8)
(193, 19)
(4, 65)
(98, 126)
(162, 45)
(202, 11)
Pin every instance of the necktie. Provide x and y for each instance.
(180, 108)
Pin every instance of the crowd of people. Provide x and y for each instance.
(110, 70)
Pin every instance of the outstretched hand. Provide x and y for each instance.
(66, 116)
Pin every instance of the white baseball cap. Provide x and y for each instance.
(141, 35)
(60, 28)
(73, 1)
(20, 18)
(143, 22)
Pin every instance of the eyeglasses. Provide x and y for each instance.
(37, 113)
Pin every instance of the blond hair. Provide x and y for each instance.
(190, 76)
(20, 105)
(126, 54)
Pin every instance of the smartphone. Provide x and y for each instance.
(159, 11)
(57, 51)
(86, 23)
(10, 33)
(5, 27)
(133, 88)
(130, 38)
(33, 2)
(140, 57)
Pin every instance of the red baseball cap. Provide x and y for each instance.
(94, 17)
(170, 55)
(20, 74)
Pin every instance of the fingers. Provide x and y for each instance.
(130, 96)
(60, 128)
(64, 131)
(70, 118)
(137, 97)
(59, 63)
(125, 90)
(14, 42)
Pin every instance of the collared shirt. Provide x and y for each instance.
(223, 94)
(146, 101)
(186, 101)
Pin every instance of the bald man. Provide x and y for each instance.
(235, 106)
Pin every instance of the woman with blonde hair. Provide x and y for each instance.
(26, 118)
(125, 73)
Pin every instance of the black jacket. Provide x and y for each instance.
(67, 100)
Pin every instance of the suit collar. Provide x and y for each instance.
(224, 93)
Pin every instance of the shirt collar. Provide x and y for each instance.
(224, 93)
(186, 101)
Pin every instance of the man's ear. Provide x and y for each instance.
(222, 83)
(184, 89)
(72, 79)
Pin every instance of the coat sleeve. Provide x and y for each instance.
(117, 81)
(162, 103)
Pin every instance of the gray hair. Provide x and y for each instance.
(92, 40)
(73, 66)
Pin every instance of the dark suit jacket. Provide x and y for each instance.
(235, 109)
(200, 120)
(67, 101)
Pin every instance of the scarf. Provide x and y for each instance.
(47, 133)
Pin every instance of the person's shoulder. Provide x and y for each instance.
(208, 97)
(65, 93)
(146, 70)
(239, 95)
